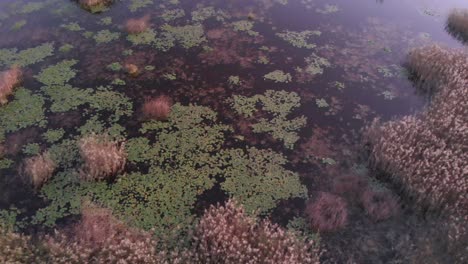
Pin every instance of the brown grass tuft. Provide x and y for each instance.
(102, 157)
(132, 69)
(137, 25)
(157, 108)
(8, 81)
(328, 212)
(39, 169)
(90, 4)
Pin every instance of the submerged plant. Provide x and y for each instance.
(137, 25)
(327, 212)
(457, 23)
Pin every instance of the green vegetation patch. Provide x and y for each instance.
(187, 36)
(106, 36)
(66, 48)
(258, 179)
(9, 57)
(173, 14)
(27, 109)
(278, 104)
(57, 74)
(299, 39)
(32, 7)
(53, 135)
(73, 26)
(328, 9)
(19, 24)
(115, 66)
(245, 26)
(144, 38)
(314, 65)
(65, 97)
(5, 163)
(31, 149)
(138, 4)
(278, 76)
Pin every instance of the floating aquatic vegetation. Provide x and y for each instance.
(88, 34)
(170, 76)
(5, 163)
(321, 103)
(106, 21)
(118, 82)
(150, 67)
(279, 104)
(137, 4)
(65, 154)
(127, 52)
(328, 161)
(106, 36)
(66, 48)
(164, 42)
(314, 66)
(278, 76)
(339, 85)
(245, 26)
(115, 66)
(187, 36)
(53, 135)
(144, 38)
(299, 39)
(234, 80)
(203, 13)
(388, 95)
(301, 228)
(32, 7)
(73, 26)
(328, 9)
(31, 149)
(65, 97)
(27, 109)
(57, 74)
(173, 14)
(19, 24)
(258, 179)
(385, 71)
(263, 60)
(9, 57)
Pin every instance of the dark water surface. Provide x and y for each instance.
(362, 44)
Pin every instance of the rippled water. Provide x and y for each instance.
(359, 47)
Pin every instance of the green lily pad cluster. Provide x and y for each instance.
(10, 57)
(138, 4)
(187, 36)
(144, 38)
(73, 26)
(203, 13)
(279, 105)
(299, 39)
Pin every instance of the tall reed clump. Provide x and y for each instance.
(225, 234)
(100, 238)
(427, 154)
(39, 169)
(103, 158)
(9, 79)
(328, 212)
(158, 108)
(457, 23)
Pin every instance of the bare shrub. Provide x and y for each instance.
(225, 234)
(158, 108)
(8, 81)
(137, 25)
(457, 23)
(102, 157)
(328, 212)
(39, 169)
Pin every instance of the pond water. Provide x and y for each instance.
(270, 97)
